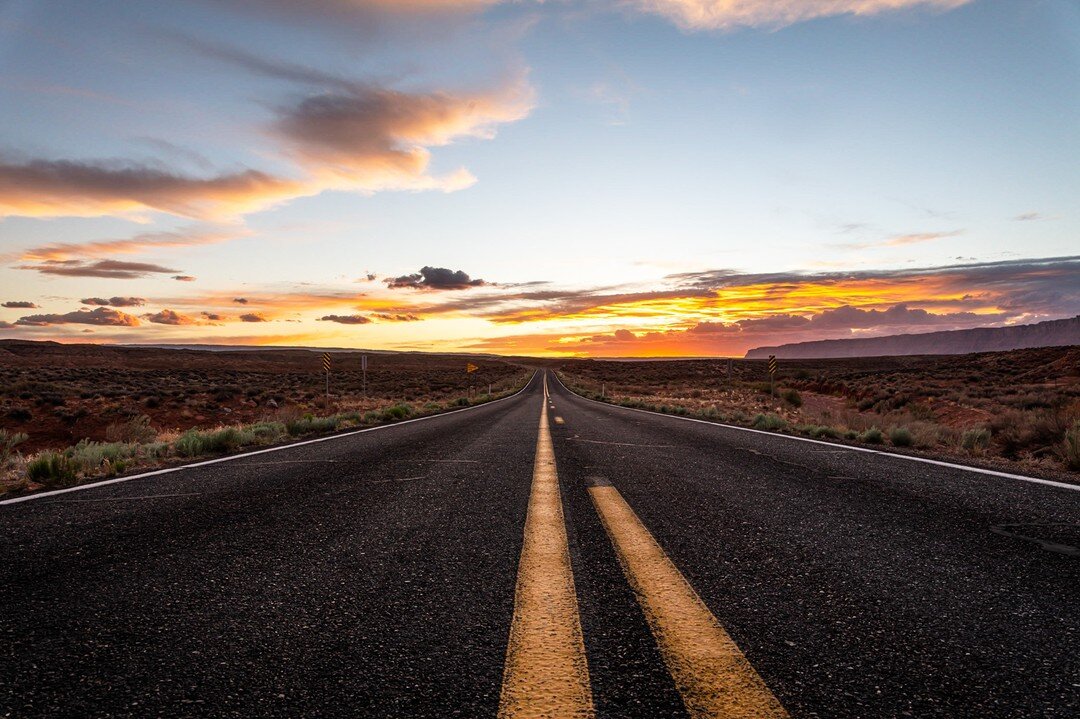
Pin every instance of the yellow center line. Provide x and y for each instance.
(546, 674)
(712, 675)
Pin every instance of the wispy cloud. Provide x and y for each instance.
(19, 304)
(55, 188)
(111, 269)
(730, 14)
(912, 238)
(134, 244)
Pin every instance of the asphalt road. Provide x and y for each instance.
(375, 575)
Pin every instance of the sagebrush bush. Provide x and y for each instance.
(190, 443)
(901, 437)
(8, 442)
(792, 397)
(975, 440)
(770, 422)
(136, 429)
(52, 469)
(1069, 449)
(872, 436)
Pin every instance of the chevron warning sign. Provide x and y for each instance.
(772, 364)
(326, 361)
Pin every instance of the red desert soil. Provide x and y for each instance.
(58, 394)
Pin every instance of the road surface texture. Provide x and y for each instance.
(545, 558)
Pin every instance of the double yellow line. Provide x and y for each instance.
(546, 673)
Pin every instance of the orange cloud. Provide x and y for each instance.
(130, 245)
(53, 188)
(372, 138)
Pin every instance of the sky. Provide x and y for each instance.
(600, 178)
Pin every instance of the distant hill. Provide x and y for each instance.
(1054, 333)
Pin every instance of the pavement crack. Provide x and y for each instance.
(1014, 531)
(617, 444)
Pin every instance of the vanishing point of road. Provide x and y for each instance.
(545, 556)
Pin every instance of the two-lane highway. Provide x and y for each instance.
(538, 557)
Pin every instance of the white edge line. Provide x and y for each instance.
(231, 457)
(924, 460)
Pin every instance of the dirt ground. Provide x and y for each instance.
(1013, 406)
(58, 394)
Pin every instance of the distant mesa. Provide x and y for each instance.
(1053, 333)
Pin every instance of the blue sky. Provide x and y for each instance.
(606, 149)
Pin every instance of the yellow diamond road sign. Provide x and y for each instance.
(470, 367)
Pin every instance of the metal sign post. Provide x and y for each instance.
(326, 367)
(363, 367)
(469, 369)
(772, 375)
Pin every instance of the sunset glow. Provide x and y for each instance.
(645, 178)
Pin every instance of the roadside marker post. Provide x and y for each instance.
(363, 368)
(326, 368)
(469, 369)
(772, 375)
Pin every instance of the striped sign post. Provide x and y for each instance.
(326, 368)
(772, 375)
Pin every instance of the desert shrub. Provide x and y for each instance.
(88, 457)
(190, 443)
(136, 429)
(824, 431)
(309, 424)
(792, 397)
(872, 436)
(769, 422)
(461, 402)
(398, 411)
(156, 450)
(901, 437)
(20, 414)
(926, 434)
(8, 442)
(1069, 449)
(52, 469)
(268, 432)
(975, 440)
(432, 406)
